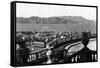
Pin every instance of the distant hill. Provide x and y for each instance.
(54, 20)
(57, 24)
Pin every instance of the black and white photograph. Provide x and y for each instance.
(49, 34)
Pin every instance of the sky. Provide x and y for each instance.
(41, 10)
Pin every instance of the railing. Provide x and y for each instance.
(58, 41)
(40, 55)
(36, 55)
(81, 56)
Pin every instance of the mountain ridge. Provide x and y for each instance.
(53, 20)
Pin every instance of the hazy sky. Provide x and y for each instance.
(27, 10)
